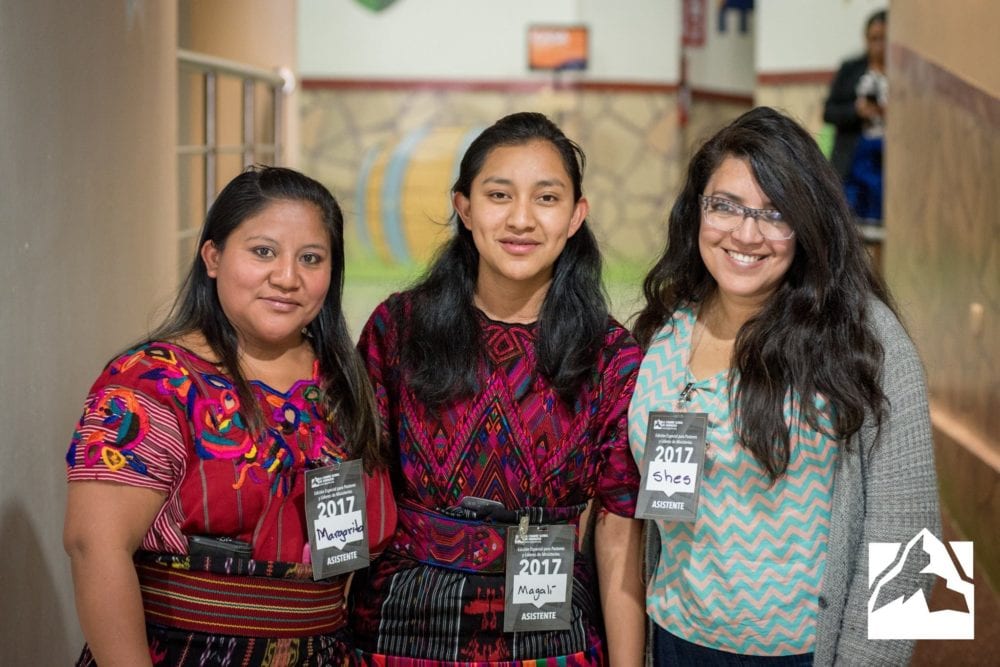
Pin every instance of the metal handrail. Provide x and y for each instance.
(231, 67)
(211, 68)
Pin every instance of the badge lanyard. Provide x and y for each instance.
(336, 519)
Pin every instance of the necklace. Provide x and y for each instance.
(697, 331)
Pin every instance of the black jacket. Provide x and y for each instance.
(839, 111)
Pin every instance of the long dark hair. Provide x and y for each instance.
(442, 348)
(346, 391)
(811, 337)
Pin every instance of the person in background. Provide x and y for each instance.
(764, 317)
(503, 385)
(185, 521)
(856, 107)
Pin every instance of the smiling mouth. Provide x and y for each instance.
(519, 246)
(281, 304)
(744, 259)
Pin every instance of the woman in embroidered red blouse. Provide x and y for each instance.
(206, 430)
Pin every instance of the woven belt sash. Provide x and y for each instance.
(468, 545)
(240, 605)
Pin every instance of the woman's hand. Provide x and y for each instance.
(105, 524)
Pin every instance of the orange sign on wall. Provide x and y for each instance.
(557, 47)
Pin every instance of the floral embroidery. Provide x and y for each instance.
(296, 431)
(172, 380)
(124, 424)
(219, 430)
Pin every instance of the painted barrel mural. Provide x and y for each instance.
(403, 196)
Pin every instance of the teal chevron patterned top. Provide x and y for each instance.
(745, 576)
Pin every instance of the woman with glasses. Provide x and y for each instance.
(776, 366)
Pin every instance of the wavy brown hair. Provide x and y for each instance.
(812, 336)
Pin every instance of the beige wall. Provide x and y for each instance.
(959, 36)
(942, 248)
(87, 137)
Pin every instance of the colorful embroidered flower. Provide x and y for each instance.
(296, 433)
(124, 424)
(171, 380)
(219, 430)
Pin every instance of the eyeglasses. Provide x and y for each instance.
(727, 216)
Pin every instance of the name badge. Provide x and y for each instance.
(539, 579)
(672, 466)
(335, 516)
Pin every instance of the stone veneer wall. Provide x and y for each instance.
(707, 116)
(942, 249)
(631, 138)
(803, 101)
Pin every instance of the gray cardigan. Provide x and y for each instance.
(884, 491)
